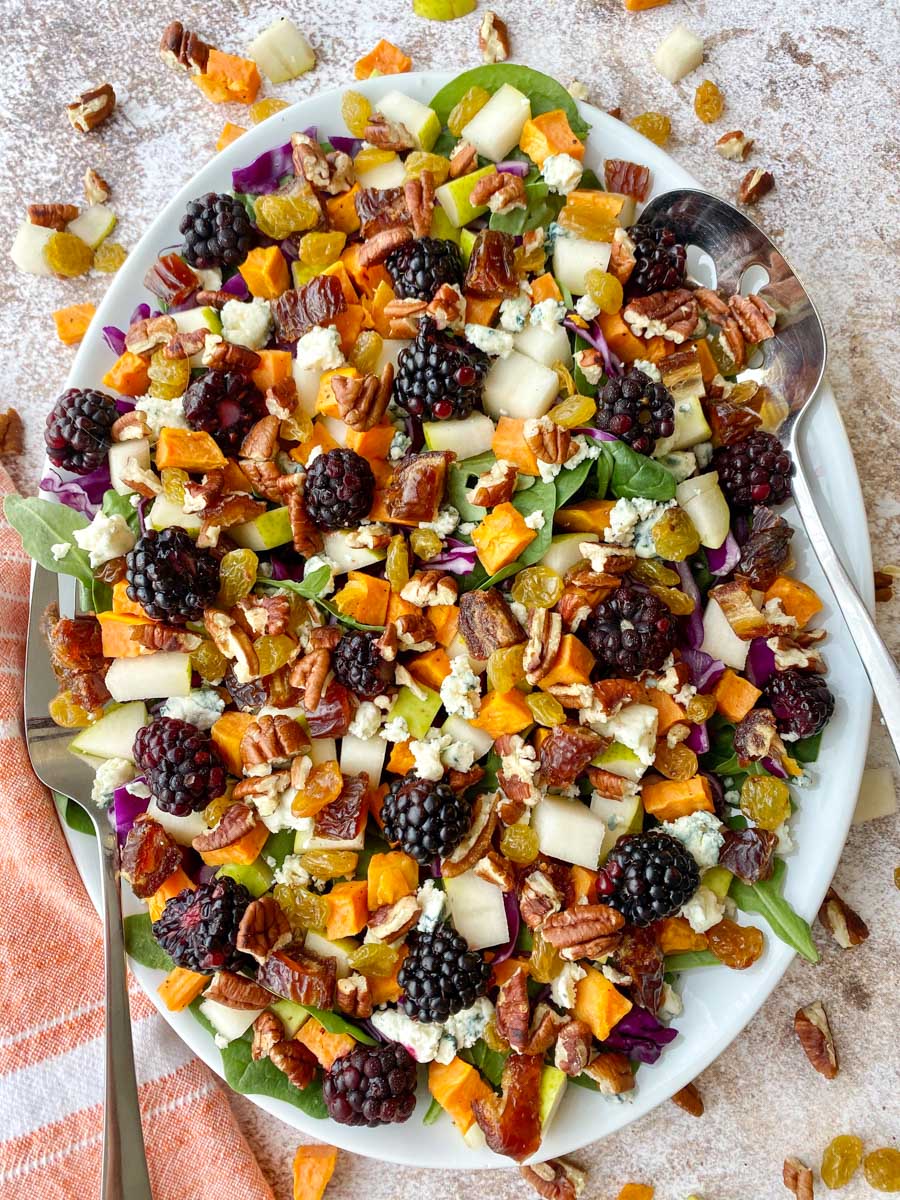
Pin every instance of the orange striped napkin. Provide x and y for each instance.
(51, 998)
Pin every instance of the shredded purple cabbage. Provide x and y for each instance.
(84, 493)
(124, 404)
(264, 174)
(513, 921)
(286, 568)
(774, 767)
(512, 166)
(289, 249)
(143, 310)
(705, 670)
(640, 1036)
(694, 621)
(593, 335)
(348, 145)
(602, 435)
(236, 286)
(370, 1028)
(436, 872)
(698, 738)
(760, 663)
(127, 807)
(459, 559)
(723, 560)
(114, 338)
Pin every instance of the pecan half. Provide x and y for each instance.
(130, 427)
(265, 614)
(263, 790)
(296, 1062)
(548, 441)
(378, 247)
(463, 159)
(231, 640)
(540, 899)
(52, 216)
(487, 623)
(185, 345)
(494, 486)
(182, 50)
(387, 134)
(447, 307)
(403, 317)
(711, 304)
(164, 637)
(755, 184)
(237, 820)
(310, 674)
(846, 926)
(689, 1099)
(96, 189)
(272, 739)
(495, 869)
(573, 1048)
(306, 537)
(500, 191)
(237, 991)
(493, 38)
(555, 1179)
(309, 161)
(264, 477)
(542, 647)
(797, 1178)
(612, 1072)
(92, 108)
(264, 928)
(362, 403)
(267, 1030)
(622, 261)
(419, 194)
(754, 316)
(144, 336)
(391, 922)
(478, 839)
(814, 1034)
(225, 511)
(229, 356)
(734, 145)
(261, 441)
(353, 996)
(672, 314)
(427, 588)
(583, 931)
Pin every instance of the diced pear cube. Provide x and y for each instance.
(282, 52)
(421, 121)
(496, 128)
(573, 257)
(519, 387)
(678, 54)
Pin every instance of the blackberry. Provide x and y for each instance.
(339, 489)
(372, 1085)
(217, 232)
(802, 703)
(428, 819)
(358, 665)
(440, 375)
(224, 404)
(420, 267)
(637, 410)
(181, 764)
(631, 632)
(659, 260)
(77, 433)
(754, 471)
(198, 929)
(440, 976)
(171, 576)
(653, 875)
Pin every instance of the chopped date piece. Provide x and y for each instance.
(566, 753)
(748, 853)
(416, 489)
(149, 856)
(627, 178)
(76, 657)
(640, 957)
(767, 551)
(344, 818)
(492, 265)
(333, 713)
(171, 280)
(299, 976)
(315, 303)
(487, 623)
(511, 1121)
(729, 422)
(381, 208)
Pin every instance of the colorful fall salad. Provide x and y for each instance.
(443, 662)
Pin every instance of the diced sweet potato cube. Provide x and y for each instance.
(265, 272)
(385, 58)
(798, 599)
(573, 663)
(401, 760)
(226, 734)
(599, 1003)
(455, 1085)
(189, 449)
(390, 877)
(128, 375)
(584, 516)
(445, 622)
(504, 712)
(115, 632)
(364, 598)
(501, 537)
(274, 367)
(244, 851)
(181, 987)
(735, 696)
(431, 668)
(341, 210)
(229, 78)
(481, 310)
(675, 936)
(669, 799)
(549, 133)
(545, 287)
(177, 882)
(348, 910)
(668, 712)
(230, 133)
(509, 443)
(72, 322)
(313, 1168)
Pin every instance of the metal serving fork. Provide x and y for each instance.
(792, 367)
(124, 1172)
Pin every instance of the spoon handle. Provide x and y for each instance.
(873, 653)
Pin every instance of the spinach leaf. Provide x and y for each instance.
(703, 577)
(279, 845)
(479, 579)
(433, 1114)
(590, 181)
(77, 818)
(604, 473)
(690, 959)
(540, 497)
(489, 1062)
(142, 946)
(263, 1078)
(584, 1081)
(544, 93)
(807, 749)
(310, 588)
(541, 208)
(335, 1023)
(634, 474)
(765, 898)
(115, 505)
(491, 766)
(568, 482)
(42, 524)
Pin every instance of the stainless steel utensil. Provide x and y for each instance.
(791, 367)
(124, 1172)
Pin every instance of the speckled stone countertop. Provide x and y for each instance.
(815, 83)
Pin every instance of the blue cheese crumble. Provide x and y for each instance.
(514, 313)
(562, 173)
(247, 322)
(701, 835)
(496, 342)
(202, 708)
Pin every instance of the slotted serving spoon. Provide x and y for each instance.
(124, 1167)
(792, 366)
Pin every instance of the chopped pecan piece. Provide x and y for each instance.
(265, 614)
(612, 1072)
(310, 674)
(447, 307)
(165, 637)
(237, 991)
(496, 869)
(514, 1010)
(797, 1178)
(555, 1179)
(267, 1030)
(463, 159)
(732, 341)
(549, 442)
(261, 441)
(382, 244)
(427, 588)
(540, 898)
(846, 926)
(92, 108)
(622, 262)
(573, 1048)
(672, 314)
(310, 162)
(264, 477)
(542, 647)
(52, 216)
(130, 427)
(814, 1034)
(478, 839)
(583, 931)
(96, 189)
(306, 537)
(391, 922)
(264, 928)
(734, 145)
(403, 317)
(296, 1062)
(229, 356)
(486, 623)
(183, 50)
(494, 486)
(363, 402)
(274, 740)
(185, 345)
(387, 134)
(754, 316)
(419, 193)
(354, 997)
(501, 191)
(711, 304)
(236, 821)
(144, 336)
(689, 1099)
(755, 184)
(493, 38)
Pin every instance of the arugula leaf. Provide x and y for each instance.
(114, 504)
(765, 898)
(434, 1113)
(310, 587)
(690, 959)
(142, 946)
(279, 845)
(42, 524)
(77, 818)
(634, 474)
(542, 207)
(489, 1062)
(540, 497)
(568, 482)
(544, 93)
(334, 1023)
(263, 1078)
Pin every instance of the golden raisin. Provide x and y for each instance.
(66, 254)
(882, 1169)
(356, 110)
(366, 351)
(605, 290)
(169, 377)
(708, 102)
(530, 261)
(546, 709)
(420, 161)
(504, 669)
(173, 481)
(66, 712)
(303, 908)
(472, 102)
(372, 157)
(545, 963)
(519, 843)
(216, 809)
(582, 222)
(736, 946)
(209, 662)
(700, 707)
(765, 800)
(537, 587)
(651, 570)
(675, 762)
(396, 564)
(841, 1160)
(425, 543)
(653, 125)
(323, 784)
(674, 599)
(374, 958)
(674, 535)
(237, 575)
(566, 383)
(108, 257)
(492, 1038)
(329, 864)
(273, 651)
(283, 213)
(320, 250)
(266, 108)
(574, 411)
